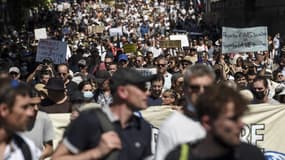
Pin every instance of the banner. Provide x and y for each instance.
(40, 33)
(183, 38)
(95, 29)
(264, 126)
(170, 44)
(147, 71)
(252, 39)
(116, 31)
(60, 121)
(130, 48)
(56, 50)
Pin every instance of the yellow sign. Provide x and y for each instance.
(130, 48)
(170, 44)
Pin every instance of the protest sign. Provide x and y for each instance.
(60, 7)
(116, 31)
(252, 39)
(147, 71)
(183, 38)
(130, 48)
(99, 29)
(170, 44)
(40, 33)
(66, 5)
(56, 50)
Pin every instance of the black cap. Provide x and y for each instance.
(125, 76)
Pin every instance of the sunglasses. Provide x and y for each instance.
(197, 88)
(161, 65)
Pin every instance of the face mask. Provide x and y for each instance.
(259, 95)
(88, 94)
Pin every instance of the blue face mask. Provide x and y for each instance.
(88, 94)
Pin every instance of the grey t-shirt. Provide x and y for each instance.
(42, 131)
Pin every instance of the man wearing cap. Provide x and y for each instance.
(14, 73)
(132, 136)
(57, 101)
(123, 61)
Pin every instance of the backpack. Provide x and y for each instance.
(105, 123)
(20, 142)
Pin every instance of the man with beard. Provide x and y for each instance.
(40, 130)
(260, 91)
(154, 99)
(219, 111)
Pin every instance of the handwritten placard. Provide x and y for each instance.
(56, 50)
(40, 33)
(244, 39)
(182, 37)
(130, 48)
(170, 44)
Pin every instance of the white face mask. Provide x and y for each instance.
(88, 94)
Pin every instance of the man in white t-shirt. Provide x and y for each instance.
(183, 127)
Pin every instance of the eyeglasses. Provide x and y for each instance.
(161, 65)
(280, 75)
(197, 88)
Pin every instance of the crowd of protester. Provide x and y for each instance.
(98, 65)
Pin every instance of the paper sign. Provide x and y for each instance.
(183, 38)
(115, 31)
(56, 50)
(170, 44)
(252, 39)
(147, 71)
(40, 33)
(130, 48)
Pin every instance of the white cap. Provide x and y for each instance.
(14, 69)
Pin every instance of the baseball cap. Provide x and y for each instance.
(125, 76)
(14, 69)
(122, 57)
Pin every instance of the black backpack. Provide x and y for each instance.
(105, 123)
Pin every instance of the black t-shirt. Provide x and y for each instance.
(243, 152)
(85, 131)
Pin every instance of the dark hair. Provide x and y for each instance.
(263, 79)
(158, 78)
(214, 100)
(83, 83)
(8, 93)
(239, 75)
